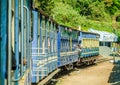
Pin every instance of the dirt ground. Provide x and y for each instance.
(98, 74)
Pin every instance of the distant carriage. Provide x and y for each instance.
(67, 55)
(90, 47)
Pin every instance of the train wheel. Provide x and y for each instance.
(69, 66)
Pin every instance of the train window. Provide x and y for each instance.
(65, 32)
(52, 45)
(43, 22)
(62, 31)
(43, 44)
(70, 44)
(49, 26)
(101, 43)
(61, 45)
(39, 50)
(46, 23)
(55, 45)
(43, 27)
(48, 44)
(31, 30)
(79, 41)
(13, 30)
(54, 26)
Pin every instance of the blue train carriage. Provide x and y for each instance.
(90, 47)
(44, 47)
(15, 42)
(67, 55)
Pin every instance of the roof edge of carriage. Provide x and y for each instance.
(90, 33)
(46, 15)
(51, 19)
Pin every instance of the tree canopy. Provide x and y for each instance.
(97, 14)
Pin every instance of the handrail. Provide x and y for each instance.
(14, 80)
(16, 41)
(9, 42)
(27, 35)
(22, 35)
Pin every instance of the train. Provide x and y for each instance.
(33, 45)
(90, 47)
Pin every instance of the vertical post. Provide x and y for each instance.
(27, 34)
(54, 38)
(28, 45)
(16, 25)
(35, 44)
(29, 4)
(22, 38)
(46, 43)
(0, 48)
(70, 37)
(80, 38)
(58, 44)
(51, 28)
(45, 46)
(3, 40)
(46, 35)
(40, 32)
(9, 42)
(41, 38)
(54, 48)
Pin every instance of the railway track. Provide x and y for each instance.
(63, 73)
(103, 59)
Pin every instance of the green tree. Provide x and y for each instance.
(65, 14)
(112, 6)
(45, 5)
(97, 14)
